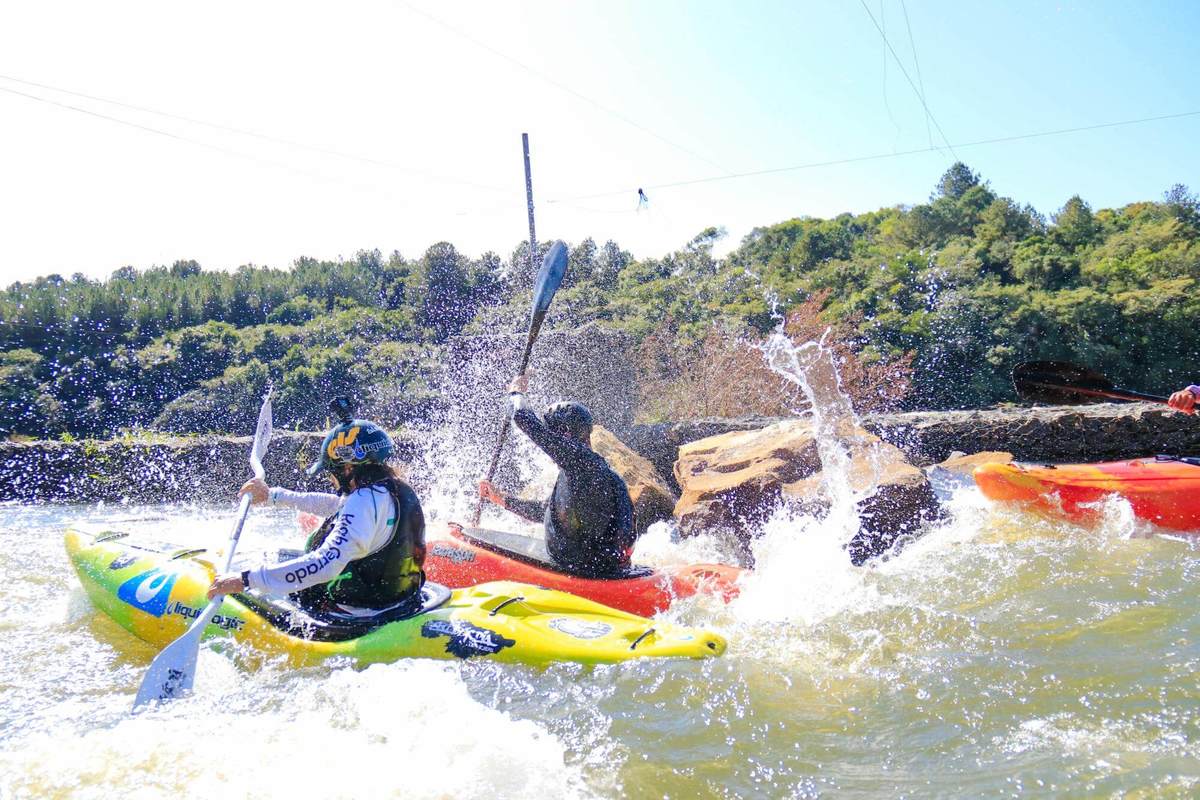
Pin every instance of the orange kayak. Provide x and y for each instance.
(1164, 492)
(466, 557)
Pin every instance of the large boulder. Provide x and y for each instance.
(734, 481)
(653, 500)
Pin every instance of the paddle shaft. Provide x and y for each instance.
(554, 266)
(198, 625)
(1114, 394)
(534, 328)
(1065, 382)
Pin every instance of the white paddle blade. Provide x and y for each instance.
(172, 672)
(262, 437)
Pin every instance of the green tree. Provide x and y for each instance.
(26, 405)
(1074, 224)
(956, 182)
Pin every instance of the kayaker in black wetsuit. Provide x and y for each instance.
(589, 516)
(371, 547)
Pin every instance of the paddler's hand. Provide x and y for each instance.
(489, 492)
(1184, 400)
(226, 584)
(519, 384)
(257, 489)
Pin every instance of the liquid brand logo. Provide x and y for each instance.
(148, 591)
(221, 621)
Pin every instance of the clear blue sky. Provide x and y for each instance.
(731, 87)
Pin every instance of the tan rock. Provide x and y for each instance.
(653, 500)
(735, 480)
(963, 465)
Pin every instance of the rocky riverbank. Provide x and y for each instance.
(204, 468)
(1049, 434)
(151, 469)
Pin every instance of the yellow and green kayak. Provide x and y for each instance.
(155, 592)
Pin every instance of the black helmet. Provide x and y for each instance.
(570, 418)
(352, 441)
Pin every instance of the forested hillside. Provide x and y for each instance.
(944, 297)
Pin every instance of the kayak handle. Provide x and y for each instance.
(509, 601)
(639, 639)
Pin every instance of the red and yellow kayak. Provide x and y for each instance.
(461, 557)
(1164, 492)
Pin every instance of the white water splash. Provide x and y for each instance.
(802, 573)
(329, 738)
(802, 570)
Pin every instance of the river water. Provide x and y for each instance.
(1000, 655)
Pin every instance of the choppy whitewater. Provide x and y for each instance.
(1000, 655)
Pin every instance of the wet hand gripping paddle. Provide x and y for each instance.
(173, 671)
(1064, 383)
(554, 267)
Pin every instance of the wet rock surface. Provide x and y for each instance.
(204, 468)
(962, 465)
(733, 481)
(163, 469)
(653, 500)
(1050, 434)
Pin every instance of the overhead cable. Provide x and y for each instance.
(561, 86)
(917, 62)
(876, 157)
(257, 135)
(904, 72)
(218, 148)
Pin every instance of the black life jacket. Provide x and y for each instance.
(390, 574)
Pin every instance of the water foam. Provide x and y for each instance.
(409, 729)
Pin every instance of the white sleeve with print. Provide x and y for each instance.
(361, 526)
(322, 504)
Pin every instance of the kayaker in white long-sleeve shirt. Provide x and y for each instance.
(370, 549)
(1186, 399)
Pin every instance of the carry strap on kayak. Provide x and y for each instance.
(1193, 460)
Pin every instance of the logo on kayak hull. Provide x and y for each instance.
(580, 629)
(456, 554)
(149, 591)
(122, 561)
(220, 620)
(465, 639)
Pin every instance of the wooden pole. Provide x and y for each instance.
(533, 271)
(529, 203)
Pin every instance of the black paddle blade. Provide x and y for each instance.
(1060, 383)
(554, 267)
